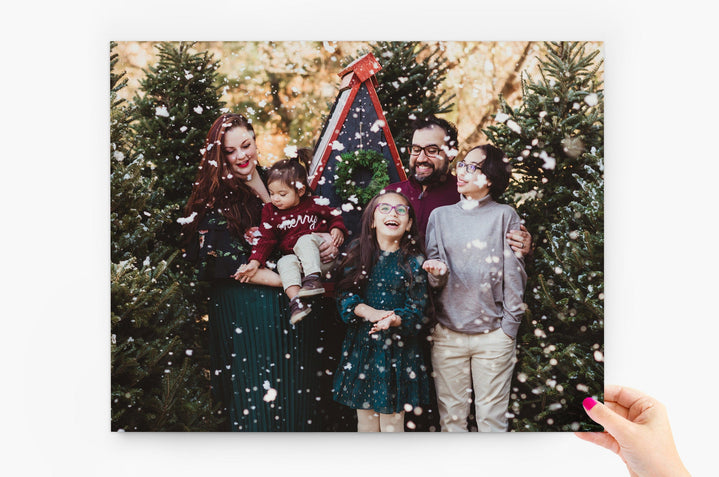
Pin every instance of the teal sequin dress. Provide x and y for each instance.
(385, 371)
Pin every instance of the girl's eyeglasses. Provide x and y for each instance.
(469, 167)
(385, 208)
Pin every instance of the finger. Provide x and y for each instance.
(623, 396)
(619, 409)
(610, 420)
(601, 439)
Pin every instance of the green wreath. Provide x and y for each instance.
(346, 186)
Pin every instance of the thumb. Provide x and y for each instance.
(612, 422)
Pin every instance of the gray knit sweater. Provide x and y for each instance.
(484, 288)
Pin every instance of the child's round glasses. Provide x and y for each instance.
(385, 208)
(469, 167)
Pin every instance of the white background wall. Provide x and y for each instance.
(661, 241)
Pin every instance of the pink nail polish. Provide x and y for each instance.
(589, 403)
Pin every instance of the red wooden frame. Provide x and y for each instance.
(353, 76)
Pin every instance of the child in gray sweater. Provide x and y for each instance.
(480, 283)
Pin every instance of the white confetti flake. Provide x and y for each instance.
(198, 109)
(187, 220)
(583, 388)
(598, 356)
(188, 352)
(476, 243)
(591, 99)
(337, 146)
(481, 180)
(469, 204)
(549, 161)
(291, 152)
(162, 111)
(321, 200)
(328, 47)
(183, 129)
(514, 126)
(377, 126)
(501, 117)
(118, 155)
(347, 207)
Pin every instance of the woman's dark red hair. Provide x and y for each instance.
(216, 188)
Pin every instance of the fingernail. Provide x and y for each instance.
(589, 403)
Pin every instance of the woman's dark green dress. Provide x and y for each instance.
(264, 370)
(385, 371)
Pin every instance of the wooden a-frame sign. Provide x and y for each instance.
(356, 121)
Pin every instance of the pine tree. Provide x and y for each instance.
(554, 139)
(409, 86)
(158, 382)
(179, 103)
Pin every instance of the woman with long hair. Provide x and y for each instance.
(262, 376)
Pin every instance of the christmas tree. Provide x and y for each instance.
(410, 86)
(158, 381)
(179, 102)
(554, 140)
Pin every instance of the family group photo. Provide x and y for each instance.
(322, 236)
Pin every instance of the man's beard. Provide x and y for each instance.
(435, 177)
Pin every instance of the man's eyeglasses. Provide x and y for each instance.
(385, 208)
(469, 167)
(431, 150)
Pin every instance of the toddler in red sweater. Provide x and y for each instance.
(292, 221)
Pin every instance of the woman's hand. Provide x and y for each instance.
(435, 267)
(337, 237)
(636, 428)
(328, 250)
(520, 240)
(385, 323)
(245, 273)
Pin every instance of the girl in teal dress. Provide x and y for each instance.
(382, 295)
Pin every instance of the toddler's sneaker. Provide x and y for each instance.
(298, 310)
(311, 286)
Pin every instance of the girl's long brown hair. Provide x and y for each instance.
(215, 188)
(356, 267)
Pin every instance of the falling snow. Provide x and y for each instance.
(591, 99)
(514, 126)
(162, 111)
(549, 162)
(290, 152)
(187, 220)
